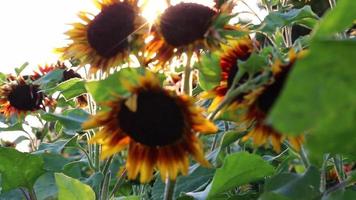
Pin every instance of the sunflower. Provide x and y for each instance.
(230, 53)
(107, 39)
(260, 101)
(19, 96)
(185, 27)
(157, 126)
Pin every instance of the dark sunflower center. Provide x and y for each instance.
(25, 97)
(69, 74)
(185, 23)
(266, 100)
(158, 120)
(108, 31)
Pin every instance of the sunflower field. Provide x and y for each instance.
(197, 104)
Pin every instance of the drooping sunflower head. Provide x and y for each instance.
(105, 40)
(20, 96)
(158, 127)
(231, 52)
(185, 23)
(182, 27)
(260, 103)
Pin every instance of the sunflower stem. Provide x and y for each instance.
(187, 76)
(25, 193)
(169, 189)
(90, 162)
(105, 187)
(304, 158)
(323, 173)
(339, 167)
(97, 156)
(32, 194)
(118, 183)
(107, 165)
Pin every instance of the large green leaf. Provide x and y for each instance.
(113, 85)
(293, 186)
(341, 194)
(71, 119)
(239, 169)
(51, 79)
(340, 18)
(70, 188)
(70, 88)
(209, 71)
(19, 169)
(320, 98)
(303, 16)
(45, 187)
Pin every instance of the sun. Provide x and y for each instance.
(153, 8)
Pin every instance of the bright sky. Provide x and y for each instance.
(31, 29)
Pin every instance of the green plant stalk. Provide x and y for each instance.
(304, 158)
(107, 165)
(25, 193)
(169, 189)
(90, 162)
(97, 156)
(32, 194)
(339, 167)
(187, 76)
(118, 183)
(323, 173)
(104, 193)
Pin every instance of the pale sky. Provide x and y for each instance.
(31, 29)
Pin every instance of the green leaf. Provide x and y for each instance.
(209, 71)
(255, 63)
(14, 127)
(51, 79)
(18, 70)
(338, 19)
(15, 194)
(74, 169)
(341, 194)
(2, 78)
(239, 169)
(196, 179)
(293, 186)
(19, 169)
(70, 188)
(320, 87)
(45, 187)
(94, 181)
(114, 85)
(54, 162)
(70, 88)
(55, 147)
(303, 16)
(71, 119)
